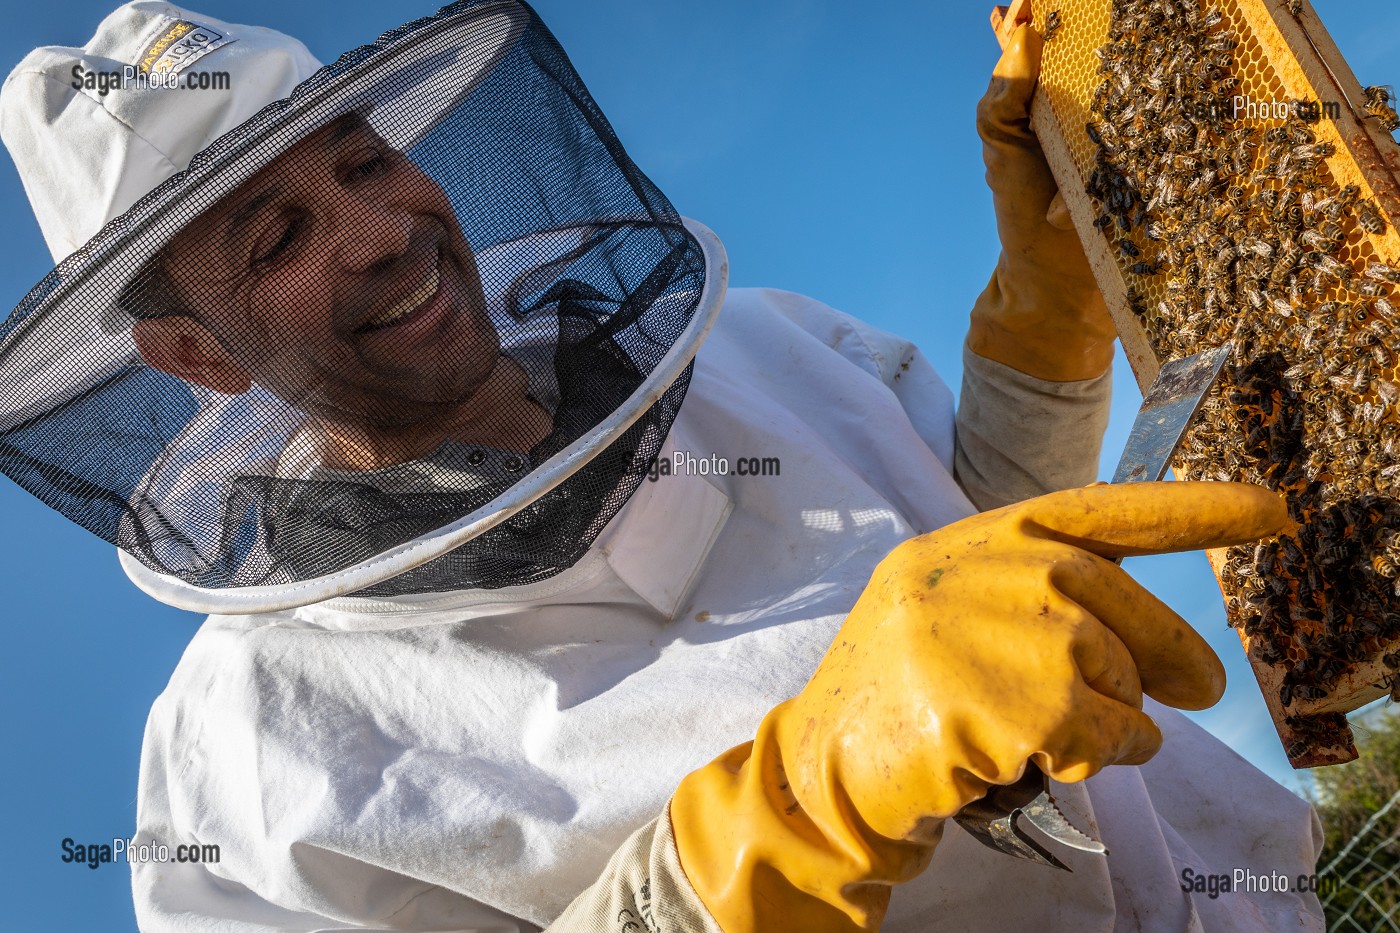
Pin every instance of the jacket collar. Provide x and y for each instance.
(655, 545)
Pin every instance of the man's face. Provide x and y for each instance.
(337, 278)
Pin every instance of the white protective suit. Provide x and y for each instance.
(471, 761)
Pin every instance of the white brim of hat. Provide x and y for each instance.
(74, 306)
(539, 482)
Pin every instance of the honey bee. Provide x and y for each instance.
(1329, 366)
(1298, 132)
(1370, 219)
(1287, 261)
(1328, 266)
(1383, 273)
(1302, 159)
(1255, 297)
(1053, 22)
(1331, 230)
(1220, 58)
(1376, 104)
(1185, 162)
(1314, 151)
(1292, 216)
(1209, 302)
(1378, 328)
(1378, 94)
(1318, 240)
(1255, 246)
(1242, 156)
(1179, 132)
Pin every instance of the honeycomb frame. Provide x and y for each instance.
(1282, 55)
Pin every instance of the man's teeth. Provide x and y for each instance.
(421, 294)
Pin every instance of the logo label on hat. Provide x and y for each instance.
(180, 46)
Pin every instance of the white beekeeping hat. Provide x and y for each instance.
(91, 129)
(412, 321)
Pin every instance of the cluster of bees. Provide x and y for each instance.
(1234, 229)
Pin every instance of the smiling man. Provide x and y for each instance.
(308, 342)
(338, 279)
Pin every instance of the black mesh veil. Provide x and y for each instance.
(372, 312)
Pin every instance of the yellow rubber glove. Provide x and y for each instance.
(1001, 638)
(1042, 313)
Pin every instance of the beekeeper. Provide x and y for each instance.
(373, 363)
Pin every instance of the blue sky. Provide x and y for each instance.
(833, 151)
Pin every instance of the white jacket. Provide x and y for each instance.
(469, 761)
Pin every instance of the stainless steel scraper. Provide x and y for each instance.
(1167, 411)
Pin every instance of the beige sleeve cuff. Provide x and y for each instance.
(1019, 437)
(642, 890)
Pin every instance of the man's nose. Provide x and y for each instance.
(372, 233)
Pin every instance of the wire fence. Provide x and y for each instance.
(1361, 885)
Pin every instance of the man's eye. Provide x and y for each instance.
(281, 245)
(371, 163)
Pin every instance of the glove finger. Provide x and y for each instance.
(1017, 173)
(1105, 732)
(1128, 519)
(1104, 662)
(1004, 112)
(1174, 663)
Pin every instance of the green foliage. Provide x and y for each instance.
(1362, 891)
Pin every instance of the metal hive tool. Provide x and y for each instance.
(1275, 232)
